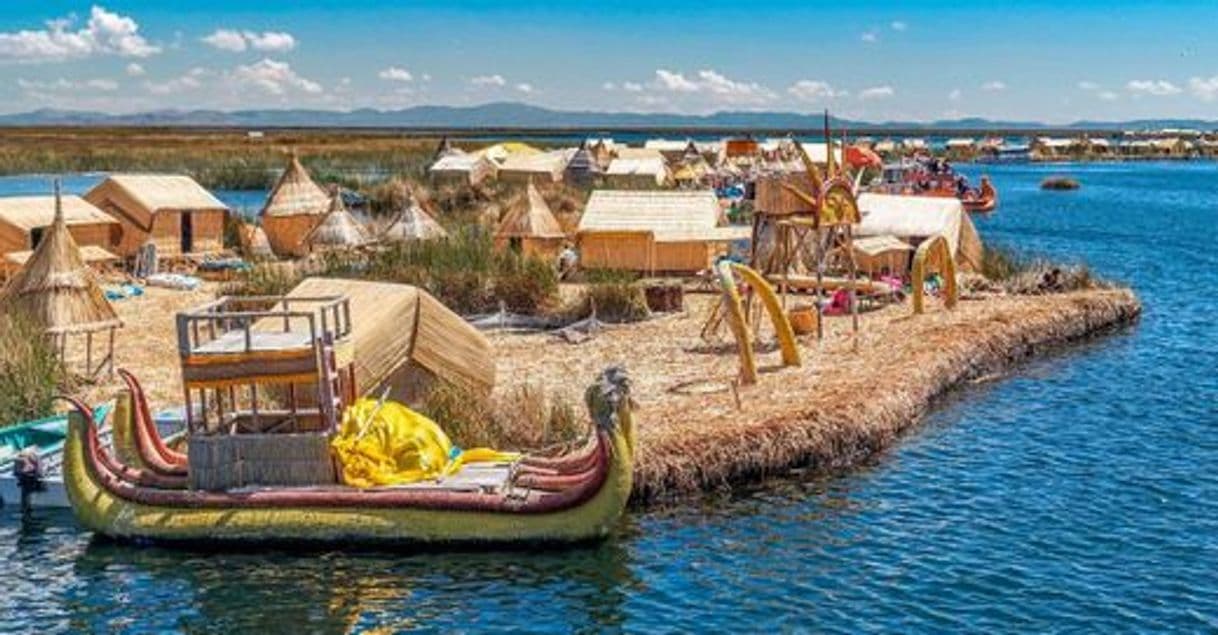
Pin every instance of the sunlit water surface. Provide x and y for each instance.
(1077, 494)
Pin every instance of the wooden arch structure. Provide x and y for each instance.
(738, 322)
(936, 254)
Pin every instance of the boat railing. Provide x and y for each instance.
(314, 317)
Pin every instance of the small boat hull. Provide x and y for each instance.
(542, 506)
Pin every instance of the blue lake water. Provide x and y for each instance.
(1078, 494)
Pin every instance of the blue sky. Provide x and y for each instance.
(1048, 61)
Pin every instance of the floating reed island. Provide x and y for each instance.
(1061, 183)
(698, 431)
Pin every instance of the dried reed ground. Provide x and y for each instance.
(837, 409)
(840, 407)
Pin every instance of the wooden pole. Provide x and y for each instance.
(854, 304)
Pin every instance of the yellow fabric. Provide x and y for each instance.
(389, 444)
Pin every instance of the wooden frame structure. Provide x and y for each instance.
(807, 238)
(237, 343)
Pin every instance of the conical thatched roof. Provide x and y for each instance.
(529, 216)
(295, 194)
(338, 229)
(583, 161)
(413, 223)
(254, 242)
(55, 288)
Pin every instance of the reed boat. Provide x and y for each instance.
(148, 495)
(984, 199)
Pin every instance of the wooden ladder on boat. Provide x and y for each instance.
(330, 388)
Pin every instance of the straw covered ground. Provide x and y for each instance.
(697, 432)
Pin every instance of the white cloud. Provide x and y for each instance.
(272, 77)
(1088, 85)
(814, 90)
(105, 33)
(489, 80)
(955, 95)
(524, 87)
(35, 87)
(632, 87)
(870, 37)
(1154, 87)
(898, 25)
(395, 74)
(1204, 88)
(102, 84)
(876, 92)
(426, 77)
(1107, 95)
(709, 83)
(134, 70)
(191, 80)
(238, 41)
(270, 41)
(226, 40)
(675, 82)
(994, 86)
(609, 86)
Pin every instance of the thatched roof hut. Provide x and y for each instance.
(412, 222)
(529, 226)
(23, 220)
(459, 168)
(583, 170)
(171, 211)
(58, 292)
(338, 230)
(254, 243)
(293, 209)
(406, 340)
(653, 231)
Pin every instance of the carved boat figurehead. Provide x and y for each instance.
(608, 399)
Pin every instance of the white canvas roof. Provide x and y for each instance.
(819, 152)
(921, 217)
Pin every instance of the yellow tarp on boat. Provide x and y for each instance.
(386, 443)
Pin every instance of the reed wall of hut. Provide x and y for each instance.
(406, 340)
(23, 219)
(173, 212)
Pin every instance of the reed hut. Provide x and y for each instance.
(917, 218)
(171, 211)
(338, 230)
(412, 223)
(630, 173)
(583, 170)
(529, 227)
(58, 292)
(653, 231)
(254, 243)
(405, 340)
(458, 168)
(294, 207)
(24, 219)
(544, 167)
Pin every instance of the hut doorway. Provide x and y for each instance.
(36, 236)
(188, 233)
(516, 244)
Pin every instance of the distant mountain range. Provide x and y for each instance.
(509, 116)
